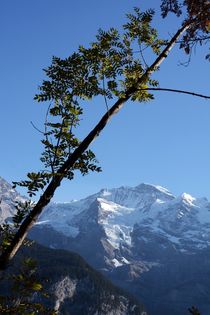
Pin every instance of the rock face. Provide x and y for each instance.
(8, 197)
(143, 238)
(73, 286)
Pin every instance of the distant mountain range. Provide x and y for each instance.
(72, 285)
(146, 240)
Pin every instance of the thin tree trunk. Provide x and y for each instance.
(29, 221)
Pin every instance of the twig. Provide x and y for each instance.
(176, 91)
(177, 42)
(142, 56)
(105, 99)
(47, 139)
(7, 255)
(36, 128)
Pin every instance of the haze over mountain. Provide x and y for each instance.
(144, 238)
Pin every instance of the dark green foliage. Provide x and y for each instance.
(6, 234)
(198, 12)
(22, 210)
(7, 231)
(171, 6)
(22, 287)
(107, 68)
(93, 290)
(194, 311)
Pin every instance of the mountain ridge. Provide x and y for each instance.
(143, 205)
(145, 239)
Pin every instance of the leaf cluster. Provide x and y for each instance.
(194, 311)
(197, 15)
(8, 230)
(34, 182)
(24, 285)
(99, 70)
(108, 68)
(22, 210)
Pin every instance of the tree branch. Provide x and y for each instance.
(47, 139)
(177, 91)
(29, 221)
(197, 39)
(166, 42)
(37, 129)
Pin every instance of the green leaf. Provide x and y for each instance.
(36, 286)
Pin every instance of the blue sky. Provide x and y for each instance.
(164, 142)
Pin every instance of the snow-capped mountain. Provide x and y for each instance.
(120, 212)
(8, 197)
(145, 239)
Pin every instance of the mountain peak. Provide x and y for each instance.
(157, 188)
(132, 197)
(7, 192)
(104, 192)
(187, 198)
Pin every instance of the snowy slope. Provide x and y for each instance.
(118, 204)
(8, 197)
(122, 213)
(119, 212)
(146, 240)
